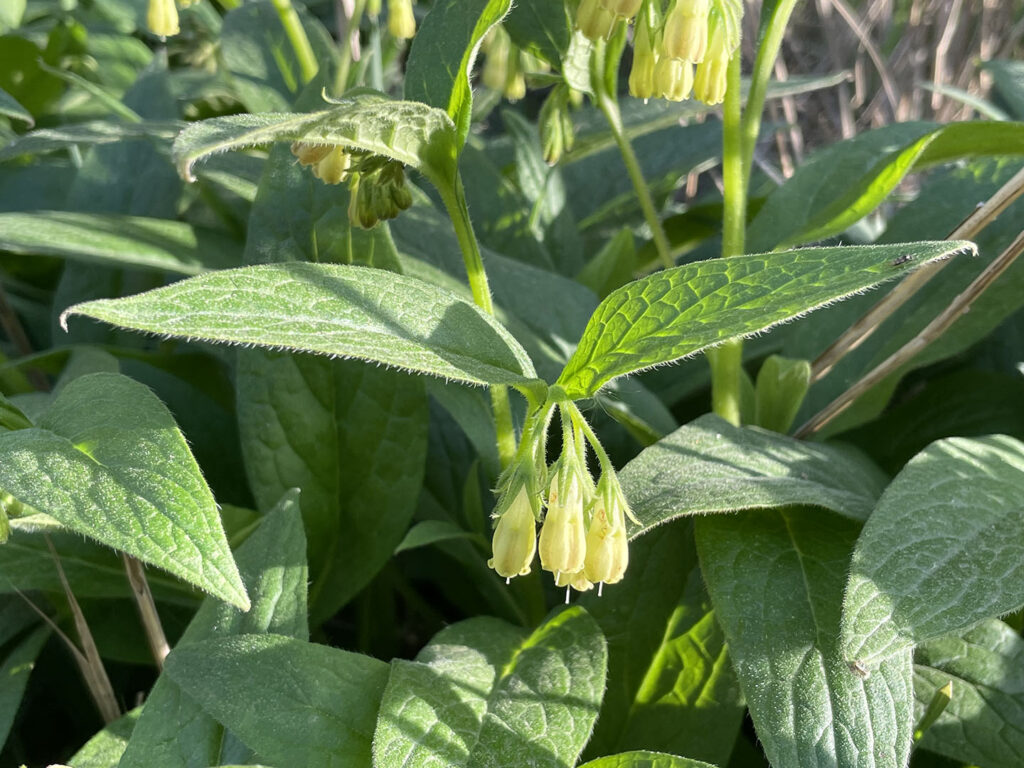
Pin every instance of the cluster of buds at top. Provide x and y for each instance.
(677, 52)
(377, 187)
(506, 65)
(582, 525)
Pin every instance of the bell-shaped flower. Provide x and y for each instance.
(710, 82)
(673, 78)
(162, 18)
(685, 35)
(607, 545)
(515, 537)
(401, 21)
(641, 74)
(625, 9)
(562, 534)
(575, 581)
(594, 20)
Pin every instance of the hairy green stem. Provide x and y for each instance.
(296, 33)
(454, 198)
(610, 108)
(727, 360)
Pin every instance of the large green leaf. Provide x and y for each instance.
(442, 56)
(353, 437)
(776, 580)
(671, 686)
(87, 134)
(104, 749)
(331, 310)
(711, 466)
(982, 723)
(173, 731)
(680, 311)
(541, 27)
(645, 760)
(117, 240)
(481, 692)
(108, 461)
(14, 672)
(295, 703)
(412, 133)
(846, 181)
(943, 550)
(10, 107)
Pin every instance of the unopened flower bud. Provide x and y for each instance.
(594, 20)
(496, 47)
(641, 74)
(556, 129)
(401, 21)
(686, 31)
(562, 534)
(711, 80)
(162, 18)
(625, 9)
(515, 538)
(673, 78)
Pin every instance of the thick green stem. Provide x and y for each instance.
(454, 198)
(727, 360)
(308, 66)
(610, 108)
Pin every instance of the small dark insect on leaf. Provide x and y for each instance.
(902, 259)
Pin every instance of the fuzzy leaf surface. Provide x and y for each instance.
(981, 724)
(115, 240)
(776, 580)
(644, 759)
(412, 133)
(483, 690)
(330, 309)
(443, 53)
(680, 311)
(943, 549)
(174, 731)
(108, 461)
(711, 466)
(295, 703)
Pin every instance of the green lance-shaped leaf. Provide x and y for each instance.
(108, 461)
(643, 759)
(105, 748)
(414, 134)
(677, 312)
(86, 134)
(711, 466)
(776, 580)
(174, 731)
(14, 673)
(483, 691)
(330, 309)
(981, 725)
(10, 107)
(294, 703)
(115, 240)
(943, 549)
(443, 53)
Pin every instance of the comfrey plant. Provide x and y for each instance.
(370, 418)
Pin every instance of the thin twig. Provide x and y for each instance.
(88, 658)
(870, 322)
(147, 610)
(850, 17)
(959, 307)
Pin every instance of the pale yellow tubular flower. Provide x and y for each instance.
(673, 79)
(624, 9)
(686, 31)
(607, 547)
(594, 20)
(162, 18)
(515, 538)
(711, 79)
(562, 534)
(641, 74)
(310, 154)
(333, 169)
(401, 21)
(496, 47)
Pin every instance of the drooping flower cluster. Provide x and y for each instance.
(583, 526)
(376, 184)
(506, 65)
(680, 50)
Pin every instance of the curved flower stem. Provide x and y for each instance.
(610, 109)
(454, 198)
(727, 360)
(296, 33)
